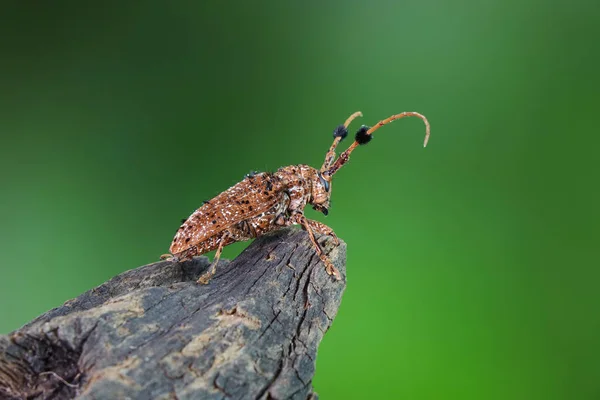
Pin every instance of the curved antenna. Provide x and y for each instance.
(351, 118)
(402, 115)
(339, 133)
(363, 136)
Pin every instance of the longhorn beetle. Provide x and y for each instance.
(263, 202)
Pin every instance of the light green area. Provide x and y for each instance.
(473, 265)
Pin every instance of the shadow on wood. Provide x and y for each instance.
(153, 333)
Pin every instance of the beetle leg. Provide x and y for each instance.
(306, 224)
(205, 277)
(323, 229)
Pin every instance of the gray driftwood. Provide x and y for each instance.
(153, 333)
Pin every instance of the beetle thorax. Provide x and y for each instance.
(305, 185)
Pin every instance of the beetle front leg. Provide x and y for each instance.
(308, 226)
(323, 229)
(205, 277)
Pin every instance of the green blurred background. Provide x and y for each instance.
(472, 264)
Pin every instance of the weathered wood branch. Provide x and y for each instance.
(153, 333)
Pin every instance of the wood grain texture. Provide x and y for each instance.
(153, 333)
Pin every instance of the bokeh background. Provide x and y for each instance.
(473, 268)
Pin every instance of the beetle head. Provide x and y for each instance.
(321, 192)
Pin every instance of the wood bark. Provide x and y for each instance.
(153, 333)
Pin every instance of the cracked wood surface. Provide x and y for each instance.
(153, 333)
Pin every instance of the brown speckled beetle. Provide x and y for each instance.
(263, 202)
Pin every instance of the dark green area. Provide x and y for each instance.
(473, 264)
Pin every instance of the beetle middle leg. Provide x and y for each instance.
(205, 277)
(309, 225)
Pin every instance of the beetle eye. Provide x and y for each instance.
(324, 182)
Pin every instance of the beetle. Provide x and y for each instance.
(263, 202)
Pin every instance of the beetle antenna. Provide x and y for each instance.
(363, 136)
(339, 133)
